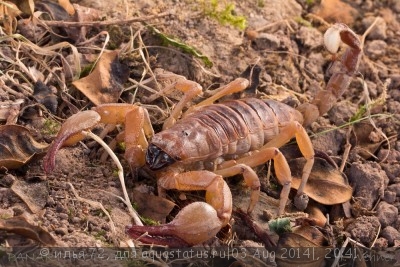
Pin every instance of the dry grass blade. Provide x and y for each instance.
(96, 205)
(133, 213)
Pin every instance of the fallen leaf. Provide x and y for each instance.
(67, 6)
(303, 240)
(26, 6)
(33, 194)
(8, 110)
(20, 226)
(325, 185)
(104, 84)
(17, 146)
(153, 207)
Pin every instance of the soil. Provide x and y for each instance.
(285, 38)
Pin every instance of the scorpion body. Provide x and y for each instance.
(227, 139)
(220, 131)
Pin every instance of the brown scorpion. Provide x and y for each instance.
(213, 141)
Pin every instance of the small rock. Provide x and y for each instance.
(379, 30)
(310, 37)
(375, 49)
(63, 216)
(391, 156)
(50, 201)
(364, 229)
(61, 231)
(392, 171)
(76, 220)
(7, 180)
(266, 41)
(394, 188)
(389, 196)
(390, 234)
(381, 243)
(368, 181)
(387, 213)
(342, 112)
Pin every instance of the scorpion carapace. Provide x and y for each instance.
(227, 138)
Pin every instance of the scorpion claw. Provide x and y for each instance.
(196, 223)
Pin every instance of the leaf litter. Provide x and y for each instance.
(60, 62)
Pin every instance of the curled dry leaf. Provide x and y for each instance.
(9, 110)
(33, 194)
(305, 239)
(325, 185)
(17, 146)
(69, 134)
(20, 226)
(104, 84)
(153, 207)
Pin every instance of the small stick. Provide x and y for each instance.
(102, 23)
(133, 213)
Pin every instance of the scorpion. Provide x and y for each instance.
(211, 141)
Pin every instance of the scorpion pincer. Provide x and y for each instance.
(214, 141)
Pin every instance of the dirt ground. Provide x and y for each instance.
(284, 38)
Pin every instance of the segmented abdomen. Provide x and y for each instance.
(244, 125)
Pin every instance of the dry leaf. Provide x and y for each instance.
(303, 240)
(67, 6)
(9, 110)
(325, 185)
(17, 146)
(33, 194)
(104, 84)
(26, 6)
(20, 226)
(153, 207)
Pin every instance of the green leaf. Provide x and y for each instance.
(182, 46)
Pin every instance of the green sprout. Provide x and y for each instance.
(225, 15)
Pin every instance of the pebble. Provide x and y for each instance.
(61, 231)
(368, 181)
(390, 234)
(379, 30)
(364, 229)
(389, 197)
(266, 41)
(7, 180)
(394, 188)
(392, 171)
(381, 243)
(375, 49)
(63, 216)
(310, 37)
(76, 220)
(387, 213)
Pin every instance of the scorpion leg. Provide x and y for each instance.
(282, 170)
(137, 129)
(190, 90)
(197, 222)
(250, 177)
(237, 85)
